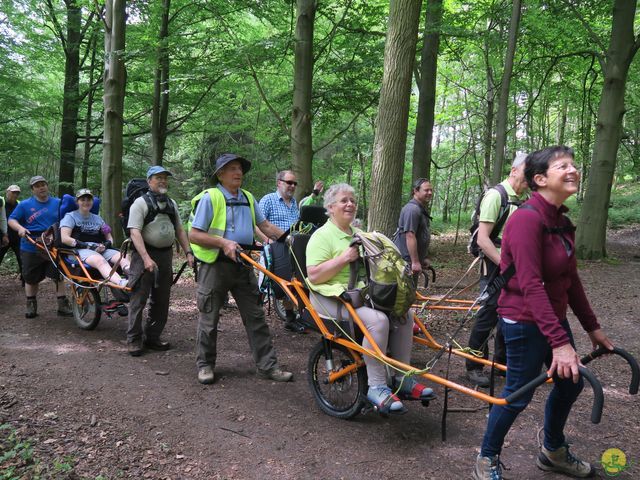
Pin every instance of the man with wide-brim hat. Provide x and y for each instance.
(10, 239)
(31, 218)
(151, 270)
(224, 219)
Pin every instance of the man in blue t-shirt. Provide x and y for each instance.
(30, 218)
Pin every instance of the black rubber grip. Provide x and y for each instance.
(598, 395)
(633, 363)
(533, 384)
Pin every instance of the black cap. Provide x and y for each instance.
(230, 157)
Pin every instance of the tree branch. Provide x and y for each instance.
(332, 139)
(180, 121)
(594, 38)
(277, 116)
(324, 44)
(57, 30)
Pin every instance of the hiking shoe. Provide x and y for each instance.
(275, 374)
(135, 348)
(385, 401)
(157, 345)
(111, 307)
(32, 308)
(487, 468)
(295, 326)
(563, 461)
(411, 388)
(478, 377)
(206, 375)
(64, 307)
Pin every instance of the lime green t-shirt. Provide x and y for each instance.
(326, 243)
(490, 205)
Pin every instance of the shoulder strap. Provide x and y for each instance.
(503, 213)
(154, 209)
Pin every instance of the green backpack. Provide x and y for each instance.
(390, 285)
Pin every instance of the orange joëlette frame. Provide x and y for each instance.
(291, 286)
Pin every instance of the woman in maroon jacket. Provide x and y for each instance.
(540, 241)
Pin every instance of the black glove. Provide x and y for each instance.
(81, 244)
(107, 244)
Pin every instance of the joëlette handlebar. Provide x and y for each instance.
(633, 363)
(598, 395)
(425, 273)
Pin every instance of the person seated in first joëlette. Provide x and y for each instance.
(329, 254)
(90, 234)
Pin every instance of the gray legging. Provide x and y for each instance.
(394, 335)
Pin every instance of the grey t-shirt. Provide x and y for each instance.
(160, 233)
(414, 218)
(89, 227)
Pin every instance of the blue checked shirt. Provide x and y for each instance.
(277, 212)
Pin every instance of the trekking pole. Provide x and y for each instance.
(177, 277)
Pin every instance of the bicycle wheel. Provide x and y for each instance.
(85, 306)
(278, 307)
(343, 398)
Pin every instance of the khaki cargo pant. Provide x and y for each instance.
(214, 281)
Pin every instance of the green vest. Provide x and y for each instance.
(218, 223)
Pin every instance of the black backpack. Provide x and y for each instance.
(138, 187)
(503, 215)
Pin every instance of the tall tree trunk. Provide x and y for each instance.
(88, 121)
(301, 141)
(427, 88)
(503, 101)
(71, 99)
(562, 122)
(592, 226)
(389, 145)
(586, 154)
(160, 110)
(114, 88)
(488, 127)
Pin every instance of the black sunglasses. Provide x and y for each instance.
(290, 182)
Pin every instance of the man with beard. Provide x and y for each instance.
(151, 270)
(414, 234)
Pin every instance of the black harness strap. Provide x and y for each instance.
(499, 281)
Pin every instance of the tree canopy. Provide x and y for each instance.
(206, 77)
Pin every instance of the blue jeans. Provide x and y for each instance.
(527, 352)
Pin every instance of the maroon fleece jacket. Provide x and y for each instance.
(546, 279)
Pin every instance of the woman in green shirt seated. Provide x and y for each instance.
(328, 257)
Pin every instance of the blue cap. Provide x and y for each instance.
(157, 169)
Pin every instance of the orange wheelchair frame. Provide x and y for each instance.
(86, 302)
(335, 374)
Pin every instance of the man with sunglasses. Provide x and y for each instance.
(281, 209)
(414, 233)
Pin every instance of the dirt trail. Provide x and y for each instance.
(92, 411)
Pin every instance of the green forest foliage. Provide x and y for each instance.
(231, 80)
